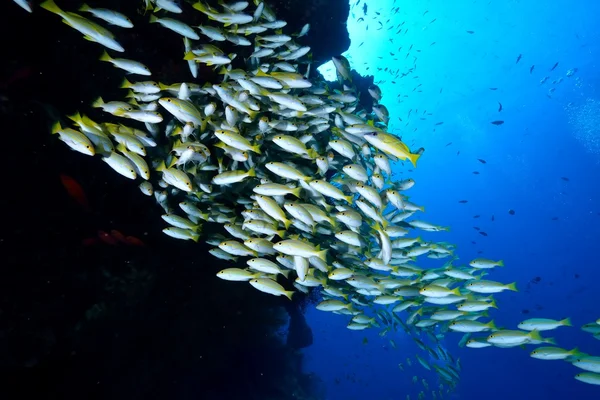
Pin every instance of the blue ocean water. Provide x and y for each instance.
(543, 163)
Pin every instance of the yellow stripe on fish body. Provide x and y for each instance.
(343, 147)
(236, 248)
(74, 139)
(275, 189)
(121, 164)
(483, 286)
(175, 177)
(179, 233)
(271, 287)
(300, 248)
(392, 145)
(229, 177)
(293, 145)
(183, 110)
(327, 189)
(270, 206)
(236, 140)
(285, 171)
(370, 194)
(237, 275)
(138, 161)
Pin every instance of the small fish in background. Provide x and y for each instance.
(75, 191)
(463, 201)
(499, 106)
(511, 212)
(531, 69)
(481, 160)
(475, 172)
(554, 66)
(471, 32)
(499, 122)
(519, 58)
(564, 178)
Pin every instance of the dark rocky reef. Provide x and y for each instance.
(121, 322)
(328, 34)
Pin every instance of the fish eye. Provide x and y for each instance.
(132, 171)
(168, 100)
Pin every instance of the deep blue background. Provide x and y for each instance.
(546, 136)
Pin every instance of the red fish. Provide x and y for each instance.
(133, 241)
(89, 241)
(107, 238)
(118, 236)
(76, 192)
(18, 75)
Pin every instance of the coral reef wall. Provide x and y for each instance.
(95, 321)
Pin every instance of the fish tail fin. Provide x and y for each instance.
(333, 222)
(98, 102)
(349, 199)
(75, 117)
(105, 56)
(84, 7)
(195, 237)
(575, 352)
(296, 192)
(256, 149)
(51, 6)
(281, 233)
(456, 291)
(189, 56)
(200, 6)
(126, 84)
(535, 335)
(121, 147)
(161, 166)
(501, 263)
(287, 223)
(286, 273)
(312, 154)
(512, 286)
(492, 325)
(289, 294)
(252, 172)
(322, 254)
(153, 18)
(174, 161)
(566, 322)
(56, 127)
(493, 303)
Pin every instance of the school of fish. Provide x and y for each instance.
(299, 177)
